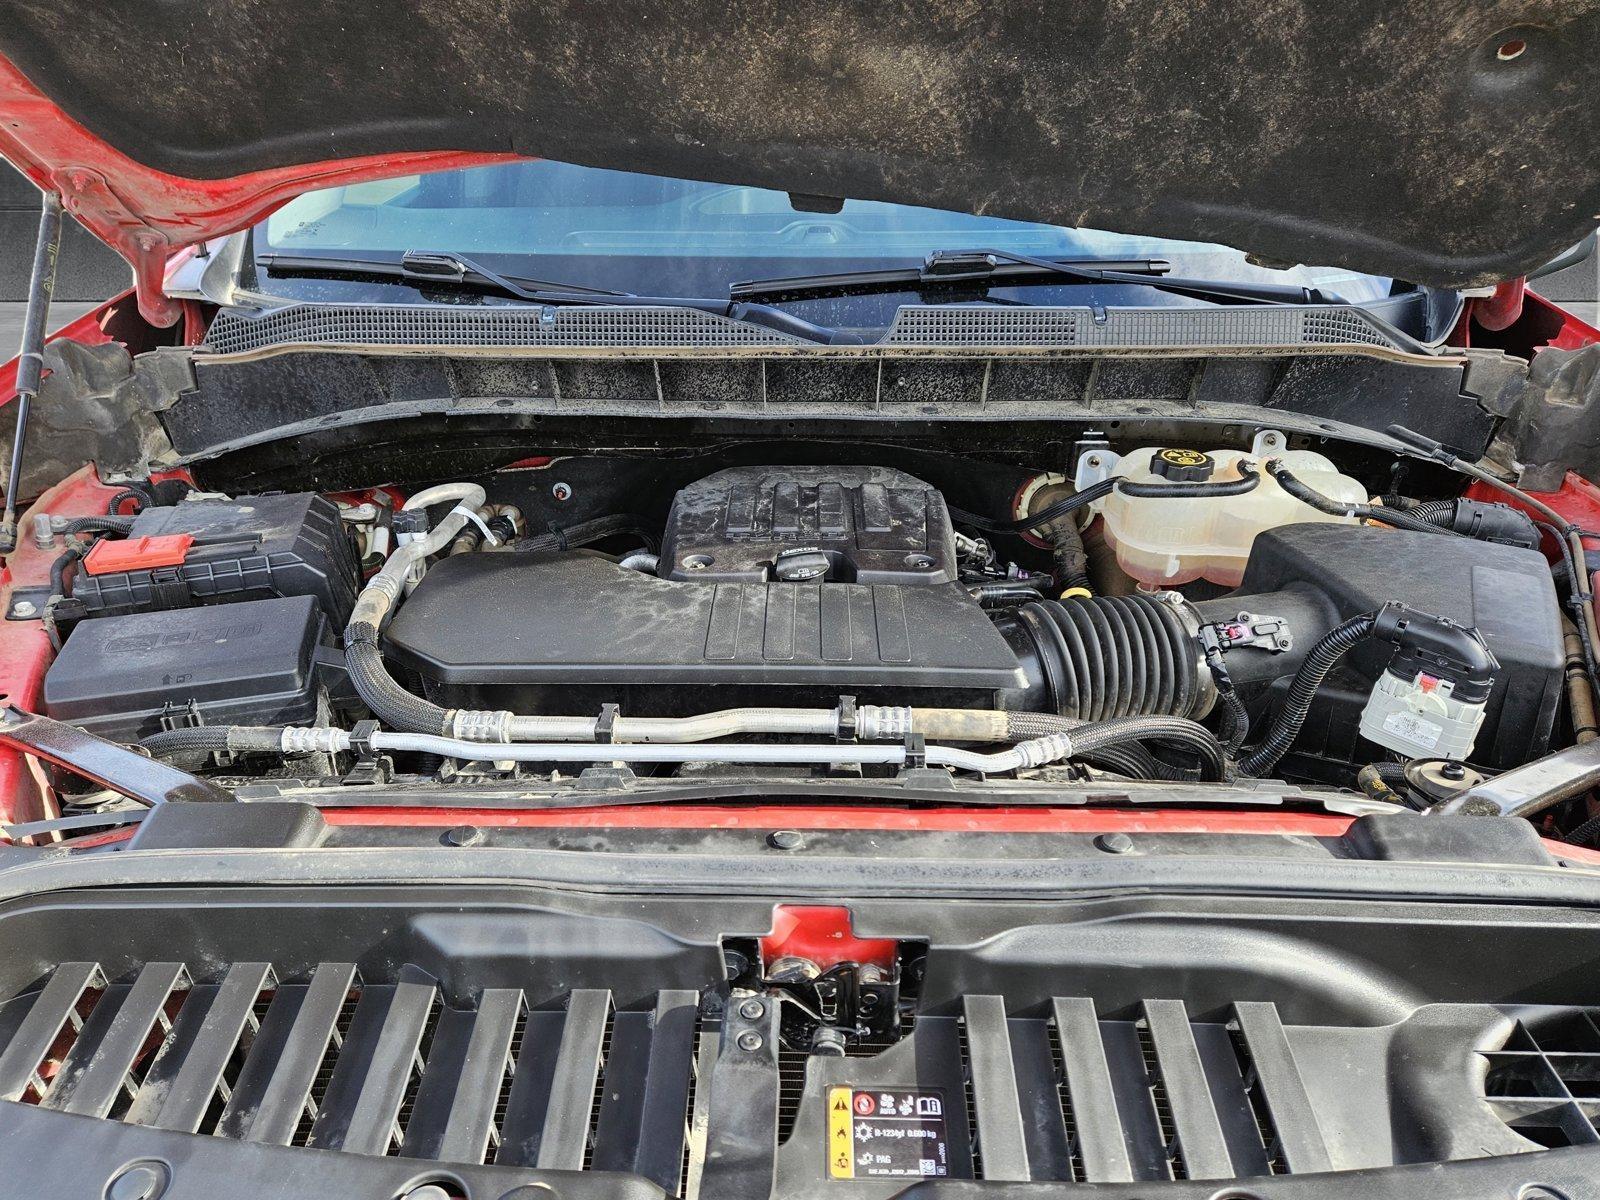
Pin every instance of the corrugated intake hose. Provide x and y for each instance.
(1324, 656)
(1101, 657)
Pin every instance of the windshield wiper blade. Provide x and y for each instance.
(983, 270)
(452, 270)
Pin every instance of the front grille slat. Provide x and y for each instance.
(270, 1095)
(564, 1140)
(182, 1081)
(996, 1108)
(1282, 1090)
(453, 1115)
(52, 1009)
(374, 1068)
(1200, 1140)
(528, 1102)
(96, 1072)
(1094, 1107)
(644, 1117)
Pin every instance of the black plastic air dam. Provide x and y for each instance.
(1167, 1043)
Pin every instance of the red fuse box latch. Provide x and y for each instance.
(137, 554)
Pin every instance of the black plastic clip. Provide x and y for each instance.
(187, 716)
(371, 766)
(847, 730)
(605, 724)
(916, 752)
(361, 739)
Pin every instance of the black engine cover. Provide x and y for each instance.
(873, 525)
(482, 629)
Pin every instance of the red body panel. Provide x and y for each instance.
(145, 215)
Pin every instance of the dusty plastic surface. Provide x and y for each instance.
(1164, 541)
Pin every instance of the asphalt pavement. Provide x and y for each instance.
(11, 322)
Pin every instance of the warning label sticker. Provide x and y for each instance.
(877, 1134)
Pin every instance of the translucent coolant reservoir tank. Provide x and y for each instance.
(1167, 540)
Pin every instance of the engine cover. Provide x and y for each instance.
(483, 629)
(870, 525)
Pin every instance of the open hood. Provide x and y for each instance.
(1444, 143)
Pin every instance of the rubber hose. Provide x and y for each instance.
(390, 703)
(1104, 657)
(66, 561)
(1249, 479)
(1088, 738)
(581, 534)
(211, 738)
(119, 525)
(1372, 780)
(1070, 558)
(1337, 508)
(1044, 516)
(1585, 834)
(1292, 717)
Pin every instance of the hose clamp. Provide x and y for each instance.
(1206, 696)
(479, 725)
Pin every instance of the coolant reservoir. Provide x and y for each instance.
(1166, 540)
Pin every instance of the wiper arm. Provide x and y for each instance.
(436, 265)
(983, 270)
(454, 270)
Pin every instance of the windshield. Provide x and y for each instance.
(651, 235)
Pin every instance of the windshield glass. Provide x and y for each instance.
(647, 234)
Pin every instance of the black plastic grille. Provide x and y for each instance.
(331, 1062)
(1545, 1083)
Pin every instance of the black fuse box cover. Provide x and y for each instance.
(251, 663)
(247, 548)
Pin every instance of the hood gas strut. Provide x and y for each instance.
(30, 359)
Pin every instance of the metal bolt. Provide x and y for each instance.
(1094, 460)
(785, 839)
(142, 1181)
(561, 491)
(752, 1010)
(750, 1041)
(464, 835)
(44, 534)
(1115, 843)
(24, 608)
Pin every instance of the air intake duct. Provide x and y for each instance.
(1101, 657)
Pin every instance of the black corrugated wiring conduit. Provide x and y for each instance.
(1291, 718)
(121, 526)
